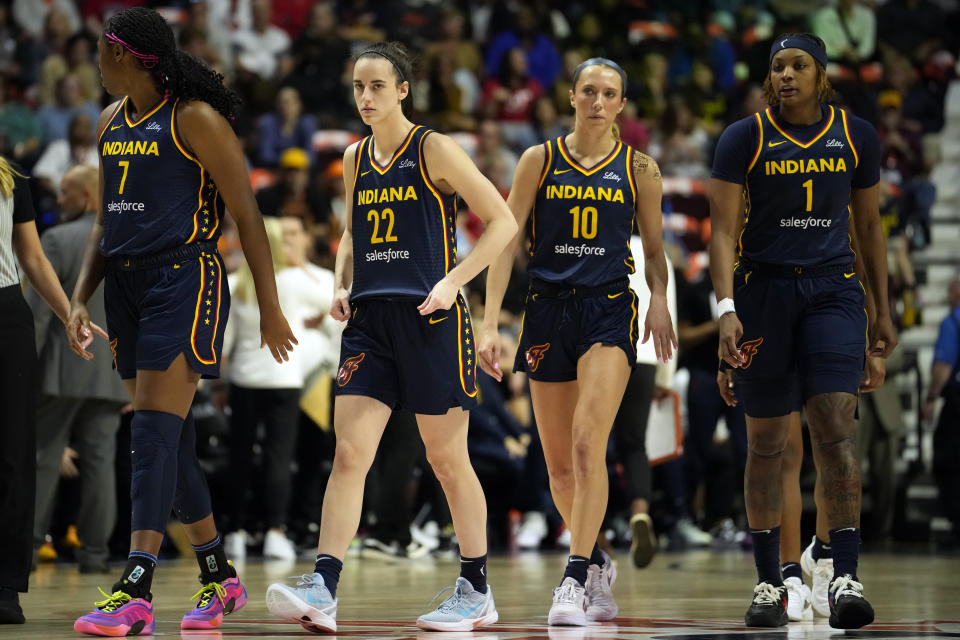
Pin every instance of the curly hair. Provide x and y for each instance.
(401, 59)
(824, 89)
(176, 73)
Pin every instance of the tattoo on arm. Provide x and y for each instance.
(642, 162)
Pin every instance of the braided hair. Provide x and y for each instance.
(146, 35)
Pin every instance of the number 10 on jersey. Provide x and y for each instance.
(584, 222)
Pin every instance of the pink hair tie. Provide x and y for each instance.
(148, 60)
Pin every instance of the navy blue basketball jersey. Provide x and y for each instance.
(404, 236)
(579, 229)
(156, 194)
(797, 185)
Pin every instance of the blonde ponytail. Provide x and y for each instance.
(244, 288)
(6, 177)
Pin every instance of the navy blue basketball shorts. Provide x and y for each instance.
(422, 364)
(161, 306)
(561, 324)
(802, 336)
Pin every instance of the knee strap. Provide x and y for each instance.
(192, 498)
(154, 436)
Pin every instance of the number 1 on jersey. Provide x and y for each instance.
(123, 180)
(808, 186)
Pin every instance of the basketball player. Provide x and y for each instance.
(409, 343)
(803, 166)
(169, 163)
(582, 193)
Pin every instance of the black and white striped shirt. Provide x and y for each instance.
(18, 207)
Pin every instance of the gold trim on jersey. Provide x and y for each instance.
(846, 131)
(632, 179)
(206, 306)
(113, 115)
(356, 161)
(794, 140)
(633, 319)
(562, 147)
(548, 160)
(396, 154)
(436, 194)
(126, 116)
(197, 228)
(756, 155)
(464, 344)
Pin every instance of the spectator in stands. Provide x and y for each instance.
(20, 132)
(546, 121)
(258, 49)
(287, 126)
(461, 54)
(492, 156)
(849, 31)
(211, 37)
(913, 28)
(921, 108)
(291, 195)
(945, 383)
(32, 15)
(450, 104)
(538, 49)
(681, 143)
(509, 98)
(79, 148)
(77, 59)
(81, 399)
(55, 118)
(315, 63)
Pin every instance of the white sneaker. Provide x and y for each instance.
(467, 609)
(691, 534)
(532, 531)
(277, 546)
(235, 545)
(563, 540)
(822, 573)
(798, 600)
(599, 591)
(569, 604)
(309, 603)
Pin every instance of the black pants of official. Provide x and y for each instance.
(18, 438)
(630, 431)
(946, 452)
(387, 488)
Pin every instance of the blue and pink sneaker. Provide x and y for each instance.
(117, 616)
(215, 600)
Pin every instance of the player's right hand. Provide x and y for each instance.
(341, 305)
(275, 334)
(80, 331)
(730, 333)
(488, 352)
(725, 384)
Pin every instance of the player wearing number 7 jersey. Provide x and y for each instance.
(794, 173)
(582, 194)
(409, 342)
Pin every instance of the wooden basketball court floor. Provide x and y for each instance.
(699, 595)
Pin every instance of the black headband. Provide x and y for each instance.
(797, 41)
(396, 68)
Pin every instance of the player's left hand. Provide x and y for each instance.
(442, 296)
(725, 384)
(660, 326)
(883, 337)
(873, 374)
(275, 334)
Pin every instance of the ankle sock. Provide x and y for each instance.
(137, 575)
(329, 567)
(475, 570)
(212, 559)
(766, 555)
(577, 569)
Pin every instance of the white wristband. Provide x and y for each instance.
(725, 306)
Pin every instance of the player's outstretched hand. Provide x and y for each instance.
(659, 325)
(488, 352)
(726, 386)
(442, 296)
(883, 337)
(340, 311)
(873, 374)
(80, 331)
(730, 333)
(275, 334)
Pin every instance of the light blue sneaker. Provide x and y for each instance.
(465, 610)
(309, 603)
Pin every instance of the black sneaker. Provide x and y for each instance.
(10, 611)
(848, 608)
(769, 606)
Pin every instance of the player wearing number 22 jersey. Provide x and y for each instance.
(404, 242)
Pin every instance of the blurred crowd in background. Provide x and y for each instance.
(495, 75)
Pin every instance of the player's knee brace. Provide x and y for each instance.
(154, 437)
(192, 499)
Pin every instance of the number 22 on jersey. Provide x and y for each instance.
(384, 215)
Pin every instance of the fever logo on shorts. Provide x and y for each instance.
(535, 355)
(748, 349)
(349, 366)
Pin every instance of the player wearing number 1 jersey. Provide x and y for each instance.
(802, 167)
(582, 194)
(409, 342)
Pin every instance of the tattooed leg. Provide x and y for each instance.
(832, 436)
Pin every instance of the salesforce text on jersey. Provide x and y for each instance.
(579, 250)
(388, 255)
(122, 205)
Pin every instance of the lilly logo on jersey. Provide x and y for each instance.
(833, 143)
(347, 368)
(391, 194)
(153, 126)
(611, 175)
(534, 355)
(406, 163)
(748, 350)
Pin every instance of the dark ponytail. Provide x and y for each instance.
(401, 60)
(177, 74)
